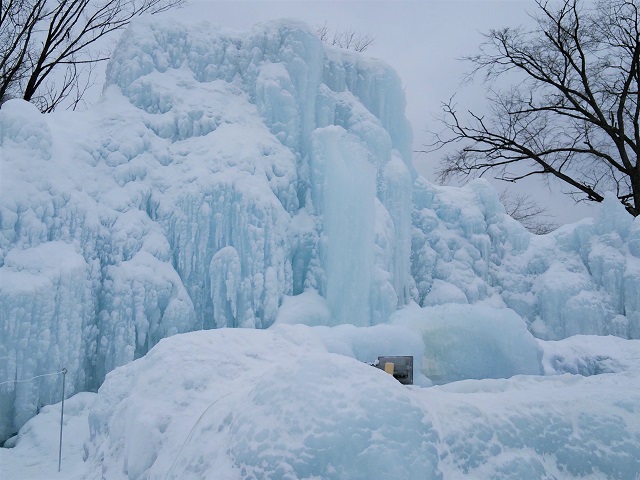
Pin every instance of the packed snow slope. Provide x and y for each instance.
(293, 402)
(279, 405)
(225, 179)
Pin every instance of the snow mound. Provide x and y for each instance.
(472, 342)
(561, 427)
(253, 404)
(239, 404)
(33, 453)
(590, 355)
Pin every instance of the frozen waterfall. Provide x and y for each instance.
(224, 175)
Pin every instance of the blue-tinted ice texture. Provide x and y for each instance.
(580, 279)
(221, 176)
(292, 402)
(276, 404)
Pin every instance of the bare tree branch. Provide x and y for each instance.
(528, 212)
(573, 112)
(39, 38)
(348, 39)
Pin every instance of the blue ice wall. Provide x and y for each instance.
(219, 172)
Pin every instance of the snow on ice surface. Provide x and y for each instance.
(277, 407)
(472, 342)
(232, 180)
(589, 355)
(580, 279)
(278, 404)
(51, 282)
(185, 188)
(34, 451)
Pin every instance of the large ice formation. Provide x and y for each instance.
(223, 176)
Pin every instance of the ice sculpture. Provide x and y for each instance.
(218, 173)
(223, 174)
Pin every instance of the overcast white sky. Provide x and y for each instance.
(422, 39)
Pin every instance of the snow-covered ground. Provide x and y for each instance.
(35, 454)
(280, 404)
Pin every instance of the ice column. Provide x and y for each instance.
(344, 191)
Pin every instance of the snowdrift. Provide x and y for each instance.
(280, 404)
